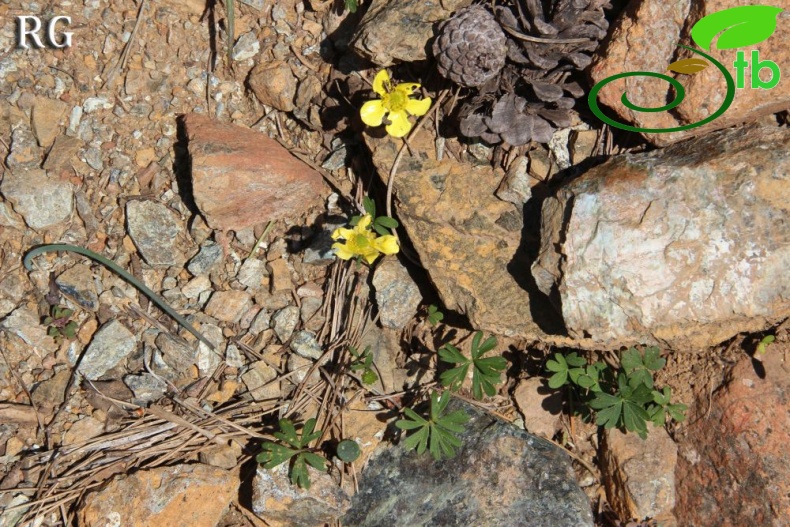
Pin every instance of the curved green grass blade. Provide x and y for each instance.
(114, 267)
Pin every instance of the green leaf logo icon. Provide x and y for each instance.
(742, 26)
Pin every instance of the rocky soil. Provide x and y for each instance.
(216, 178)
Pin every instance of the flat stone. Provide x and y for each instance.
(393, 32)
(683, 247)
(639, 474)
(500, 476)
(247, 46)
(158, 233)
(42, 201)
(52, 392)
(77, 282)
(224, 457)
(261, 322)
(197, 285)
(274, 84)
(278, 502)
(582, 145)
(280, 275)
(146, 387)
(732, 468)
(185, 495)
(305, 345)
(209, 256)
(647, 38)
(299, 366)
(258, 381)
(539, 405)
(25, 152)
(284, 322)
(451, 214)
(26, 325)
(397, 296)
(252, 273)
(310, 307)
(95, 104)
(515, 187)
(110, 345)
(228, 306)
(240, 176)
(82, 430)
(181, 356)
(46, 117)
(62, 154)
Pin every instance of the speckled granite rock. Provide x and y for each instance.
(683, 247)
(502, 476)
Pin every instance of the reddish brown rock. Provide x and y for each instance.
(180, 496)
(274, 84)
(734, 468)
(639, 474)
(645, 38)
(241, 177)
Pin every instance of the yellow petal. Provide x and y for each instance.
(387, 244)
(418, 107)
(342, 233)
(363, 224)
(371, 256)
(381, 82)
(407, 87)
(342, 252)
(372, 112)
(399, 125)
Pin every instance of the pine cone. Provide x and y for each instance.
(471, 47)
(546, 43)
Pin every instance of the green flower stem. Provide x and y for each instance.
(159, 301)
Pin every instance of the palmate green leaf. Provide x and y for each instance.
(439, 405)
(454, 377)
(437, 434)
(677, 411)
(434, 315)
(609, 417)
(449, 353)
(742, 26)
(314, 460)
(652, 359)
(639, 367)
(559, 364)
(308, 436)
(413, 422)
(287, 433)
(274, 454)
(454, 421)
(351, 5)
(299, 474)
(558, 380)
(479, 350)
(635, 418)
(418, 440)
(369, 376)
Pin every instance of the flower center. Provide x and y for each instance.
(395, 101)
(360, 241)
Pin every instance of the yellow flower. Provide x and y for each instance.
(362, 242)
(395, 103)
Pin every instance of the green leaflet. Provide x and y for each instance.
(741, 26)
